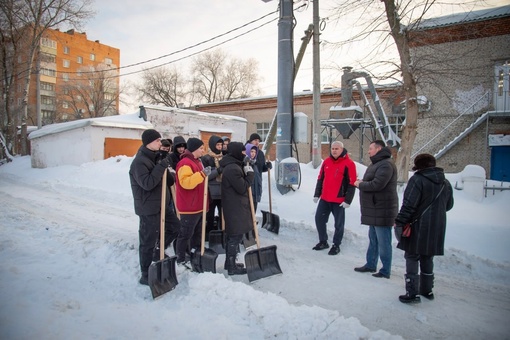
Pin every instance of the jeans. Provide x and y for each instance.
(379, 246)
(321, 219)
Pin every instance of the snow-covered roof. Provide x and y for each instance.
(193, 112)
(466, 17)
(129, 121)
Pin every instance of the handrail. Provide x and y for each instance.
(487, 94)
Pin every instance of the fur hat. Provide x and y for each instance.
(166, 142)
(254, 136)
(193, 144)
(423, 161)
(149, 136)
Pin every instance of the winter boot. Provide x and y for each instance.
(232, 267)
(426, 285)
(412, 289)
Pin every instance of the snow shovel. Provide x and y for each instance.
(162, 276)
(270, 221)
(206, 260)
(217, 238)
(260, 262)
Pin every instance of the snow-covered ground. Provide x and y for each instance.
(69, 270)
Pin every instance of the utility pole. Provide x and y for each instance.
(316, 136)
(285, 93)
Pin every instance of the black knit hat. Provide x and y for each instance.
(166, 142)
(193, 144)
(149, 136)
(423, 161)
(254, 136)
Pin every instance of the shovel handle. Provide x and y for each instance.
(269, 188)
(163, 212)
(253, 217)
(204, 212)
(174, 195)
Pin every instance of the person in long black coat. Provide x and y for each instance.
(427, 198)
(236, 179)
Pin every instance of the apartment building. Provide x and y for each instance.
(74, 78)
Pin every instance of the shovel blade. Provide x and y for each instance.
(162, 276)
(270, 221)
(204, 263)
(249, 240)
(261, 263)
(217, 241)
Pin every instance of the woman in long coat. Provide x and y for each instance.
(427, 198)
(236, 179)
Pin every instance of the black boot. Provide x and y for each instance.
(232, 267)
(412, 289)
(426, 285)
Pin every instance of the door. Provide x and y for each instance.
(500, 163)
(502, 88)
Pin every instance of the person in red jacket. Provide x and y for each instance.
(334, 191)
(189, 189)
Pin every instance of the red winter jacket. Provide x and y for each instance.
(335, 183)
(190, 185)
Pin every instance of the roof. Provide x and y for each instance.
(129, 121)
(194, 113)
(463, 18)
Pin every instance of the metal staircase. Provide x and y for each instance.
(472, 110)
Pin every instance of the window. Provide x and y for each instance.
(48, 72)
(48, 43)
(47, 86)
(91, 108)
(263, 130)
(47, 58)
(66, 49)
(65, 77)
(46, 114)
(66, 91)
(92, 56)
(108, 61)
(79, 60)
(108, 96)
(66, 63)
(47, 100)
(65, 105)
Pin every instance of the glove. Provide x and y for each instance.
(398, 233)
(246, 160)
(219, 170)
(247, 169)
(345, 205)
(269, 165)
(165, 162)
(207, 170)
(315, 199)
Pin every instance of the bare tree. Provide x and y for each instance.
(217, 77)
(163, 86)
(29, 19)
(92, 94)
(392, 22)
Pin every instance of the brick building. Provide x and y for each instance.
(78, 78)
(462, 61)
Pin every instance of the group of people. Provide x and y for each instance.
(427, 198)
(231, 168)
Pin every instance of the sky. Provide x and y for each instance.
(69, 269)
(145, 30)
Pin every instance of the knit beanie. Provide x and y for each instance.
(193, 144)
(149, 136)
(254, 136)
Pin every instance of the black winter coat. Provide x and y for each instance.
(212, 159)
(378, 191)
(428, 233)
(145, 177)
(235, 196)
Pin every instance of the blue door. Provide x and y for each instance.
(500, 163)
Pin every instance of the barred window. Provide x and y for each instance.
(263, 130)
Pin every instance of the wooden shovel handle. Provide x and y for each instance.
(163, 212)
(253, 217)
(204, 212)
(269, 189)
